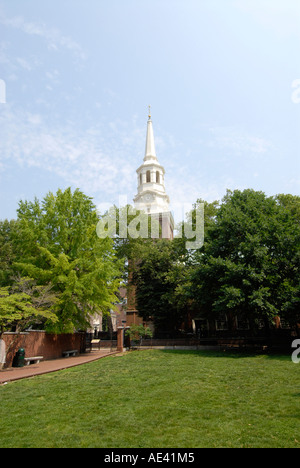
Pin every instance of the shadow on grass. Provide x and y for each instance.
(231, 354)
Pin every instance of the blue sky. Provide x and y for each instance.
(222, 77)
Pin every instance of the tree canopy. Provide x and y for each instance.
(248, 267)
(55, 243)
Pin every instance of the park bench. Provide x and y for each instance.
(72, 352)
(32, 360)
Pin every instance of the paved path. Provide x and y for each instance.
(44, 367)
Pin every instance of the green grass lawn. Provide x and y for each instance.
(157, 399)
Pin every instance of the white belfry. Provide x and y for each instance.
(151, 197)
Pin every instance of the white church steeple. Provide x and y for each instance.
(151, 197)
(150, 153)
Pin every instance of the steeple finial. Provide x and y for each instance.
(149, 107)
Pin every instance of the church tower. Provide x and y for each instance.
(153, 200)
(151, 197)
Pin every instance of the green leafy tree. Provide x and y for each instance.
(9, 250)
(61, 247)
(24, 305)
(138, 332)
(19, 309)
(159, 276)
(287, 258)
(250, 256)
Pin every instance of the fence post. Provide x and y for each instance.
(120, 339)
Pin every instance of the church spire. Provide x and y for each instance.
(150, 153)
(151, 197)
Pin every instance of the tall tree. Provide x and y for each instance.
(287, 258)
(245, 267)
(61, 247)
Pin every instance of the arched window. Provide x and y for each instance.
(148, 177)
(141, 179)
(157, 177)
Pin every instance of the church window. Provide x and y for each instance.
(222, 322)
(242, 323)
(141, 179)
(148, 177)
(157, 177)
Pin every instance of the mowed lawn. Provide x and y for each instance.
(157, 399)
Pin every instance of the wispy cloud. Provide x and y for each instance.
(92, 160)
(238, 141)
(101, 161)
(54, 38)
